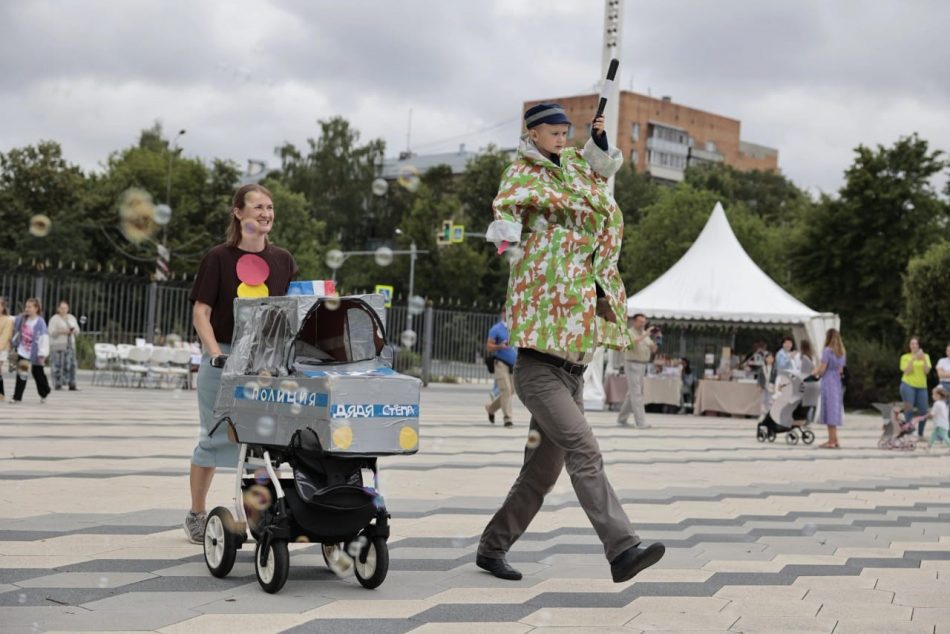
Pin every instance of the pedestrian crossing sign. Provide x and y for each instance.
(387, 292)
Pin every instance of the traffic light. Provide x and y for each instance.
(445, 236)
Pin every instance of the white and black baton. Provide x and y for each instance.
(608, 86)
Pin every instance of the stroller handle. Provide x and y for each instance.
(218, 360)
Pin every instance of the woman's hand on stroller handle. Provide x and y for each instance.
(218, 360)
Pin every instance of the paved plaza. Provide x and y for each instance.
(760, 537)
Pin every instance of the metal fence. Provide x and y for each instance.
(116, 308)
(449, 344)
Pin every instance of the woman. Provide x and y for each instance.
(31, 338)
(6, 335)
(831, 411)
(812, 389)
(915, 365)
(246, 265)
(63, 329)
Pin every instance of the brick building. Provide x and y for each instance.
(662, 137)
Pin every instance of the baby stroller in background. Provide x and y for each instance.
(788, 414)
(309, 384)
(897, 432)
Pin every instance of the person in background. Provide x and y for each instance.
(6, 335)
(689, 383)
(218, 282)
(833, 360)
(505, 357)
(31, 339)
(785, 357)
(636, 360)
(915, 366)
(939, 414)
(812, 388)
(63, 329)
(943, 370)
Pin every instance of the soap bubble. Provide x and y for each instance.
(534, 439)
(514, 253)
(251, 388)
(249, 227)
(417, 305)
(809, 529)
(103, 582)
(408, 338)
(136, 215)
(335, 258)
(355, 547)
(409, 177)
(539, 225)
(383, 256)
(303, 539)
(266, 426)
(261, 476)
(296, 408)
(163, 214)
(23, 369)
(332, 302)
(289, 386)
(339, 562)
(21, 598)
(380, 187)
(265, 378)
(40, 225)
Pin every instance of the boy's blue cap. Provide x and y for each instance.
(545, 113)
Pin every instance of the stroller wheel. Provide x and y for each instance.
(760, 434)
(882, 443)
(771, 436)
(273, 575)
(808, 437)
(221, 542)
(372, 564)
(791, 438)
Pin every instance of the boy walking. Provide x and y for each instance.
(564, 299)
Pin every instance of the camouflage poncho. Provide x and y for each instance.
(575, 231)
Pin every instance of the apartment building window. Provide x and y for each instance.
(670, 134)
(571, 131)
(711, 146)
(635, 132)
(634, 156)
(665, 159)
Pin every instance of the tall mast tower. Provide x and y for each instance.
(613, 31)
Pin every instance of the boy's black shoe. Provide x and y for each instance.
(633, 560)
(498, 567)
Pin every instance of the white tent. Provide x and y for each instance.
(717, 282)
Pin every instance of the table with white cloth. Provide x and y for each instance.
(657, 389)
(730, 397)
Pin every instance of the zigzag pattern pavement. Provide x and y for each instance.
(761, 537)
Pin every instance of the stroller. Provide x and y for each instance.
(309, 384)
(897, 432)
(789, 412)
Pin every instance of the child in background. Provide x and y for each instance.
(939, 414)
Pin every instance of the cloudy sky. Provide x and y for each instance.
(813, 78)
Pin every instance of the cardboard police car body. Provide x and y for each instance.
(315, 363)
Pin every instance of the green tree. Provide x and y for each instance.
(296, 230)
(200, 202)
(36, 179)
(634, 192)
(335, 174)
(670, 226)
(769, 195)
(926, 300)
(850, 251)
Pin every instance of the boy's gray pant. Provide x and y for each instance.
(555, 399)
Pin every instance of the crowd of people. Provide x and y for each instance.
(28, 341)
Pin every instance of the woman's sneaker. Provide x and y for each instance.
(195, 526)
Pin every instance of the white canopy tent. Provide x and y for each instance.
(716, 281)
